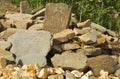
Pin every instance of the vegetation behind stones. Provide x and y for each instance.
(103, 12)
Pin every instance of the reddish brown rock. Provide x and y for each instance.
(57, 17)
(84, 24)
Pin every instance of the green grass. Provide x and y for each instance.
(103, 12)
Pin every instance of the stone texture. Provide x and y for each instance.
(84, 24)
(110, 32)
(64, 35)
(21, 21)
(3, 63)
(36, 27)
(69, 75)
(88, 38)
(98, 27)
(69, 46)
(26, 42)
(103, 62)
(57, 17)
(5, 45)
(56, 77)
(5, 34)
(69, 60)
(32, 59)
(101, 40)
(6, 55)
(25, 7)
(117, 73)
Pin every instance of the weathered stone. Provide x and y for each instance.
(5, 45)
(98, 27)
(110, 32)
(21, 21)
(25, 7)
(103, 62)
(6, 24)
(37, 9)
(84, 24)
(90, 50)
(32, 42)
(32, 59)
(69, 46)
(101, 40)
(39, 13)
(5, 34)
(64, 35)
(36, 27)
(69, 75)
(117, 73)
(69, 60)
(88, 38)
(81, 31)
(3, 63)
(6, 55)
(57, 18)
(56, 77)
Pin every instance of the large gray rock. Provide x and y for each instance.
(69, 60)
(27, 42)
(57, 17)
(102, 62)
(5, 45)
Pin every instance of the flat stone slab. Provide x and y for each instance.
(57, 17)
(26, 42)
(69, 60)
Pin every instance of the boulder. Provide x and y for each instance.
(26, 42)
(36, 27)
(57, 17)
(70, 46)
(69, 60)
(3, 63)
(102, 62)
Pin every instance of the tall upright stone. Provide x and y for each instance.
(57, 17)
(25, 7)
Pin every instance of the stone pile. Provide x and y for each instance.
(49, 43)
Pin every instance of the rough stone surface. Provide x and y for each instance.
(56, 77)
(21, 21)
(69, 75)
(103, 62)
(27, 42)
(6, 55)
(5, 34)
(98, 27)
(69, 60)
(69, 46)
(57, 17)
(1, 27)
(5, 45)
(36, 27)
(117, 73)
(84, 24)
(3, 63)
(88, 38)
(64, 35)
(32, 59)
(25, 7)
